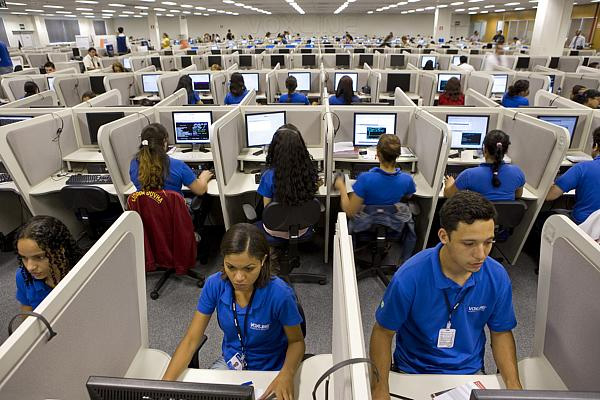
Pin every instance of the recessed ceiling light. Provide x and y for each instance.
(128, 12)
(16, 4)
(186, 6)
(63, 12)
(442, 6)
(228, 1)
(500, 10)
(489, 6)
(213, 10)
(472, 12)
(187, 12)
(159, 15)
(515, 3)
(459, 9)
(160, 9)
(174, 11)
(71, 16)
(402, 3)
(457, 3)
(84, 9)
(86, 1)
(87, 13)
(51, 6)
(33, 10)
(19, 13)
(137, 16)
(473, 8)
(169, 3)
(430, 8)
(147, 1)
(522, 8)
(124, 16)
(115, 5)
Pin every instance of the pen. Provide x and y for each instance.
(249, 383)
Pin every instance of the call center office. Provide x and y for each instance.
(85, 135)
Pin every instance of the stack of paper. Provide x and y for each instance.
(344, 150)
(579, 158)
(462, 392)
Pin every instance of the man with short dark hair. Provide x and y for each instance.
(49, 67)
(91, 60)
(499, 37)
(122, 45)
(465, 65)
(441, 299)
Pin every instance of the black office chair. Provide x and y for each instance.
(509, 216)
(92, 206)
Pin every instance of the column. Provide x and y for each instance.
(551, 27)
(153, 32)
(442, 21)
(183, 27)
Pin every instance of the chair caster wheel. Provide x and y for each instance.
(154, 295)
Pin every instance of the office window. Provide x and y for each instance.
(62, 30)
(583, 24)
(99, 27)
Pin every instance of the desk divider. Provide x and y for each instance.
(589, 139)
(373, 82)
(124, 82)
(536, 82)
(480, 82)
(569, 63)
(231, 68)
(427, 87)
(167, 83)
(401, 99)
(70, 88)
(590, 81)
(559, 77)
(473, 98)
(81, 124)
(272, 86)
(587, 70)
(443, 61)
(45, 98)
(167, 63)
(190, 68)
(544, 98)
(138, 62)
(218, 87)
(477, 61)
(178, 98)
(13, 86)
(111, 98)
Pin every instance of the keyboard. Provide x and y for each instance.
(359, 168)
(4, 177)
(89, 179)
(202, 167)
(452, 174)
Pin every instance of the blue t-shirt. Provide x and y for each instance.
(584, 178)
(479, 179)
(193, 98)
(33, 294)
(266, 188)
(414, 306)
(231, 99)
(122, 43)
(339, 101)
(273, 307)
(377, 187)
(296, 98)
(179, 174)
(514, 101)
(5, 60)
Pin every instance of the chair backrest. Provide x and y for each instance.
(278, 217)
(89, 198)
(510, 213)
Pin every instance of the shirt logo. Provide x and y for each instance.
(477, 308)
(382, 304)
(259, 327)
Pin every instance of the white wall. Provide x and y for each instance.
(11, 23)
(463, 29)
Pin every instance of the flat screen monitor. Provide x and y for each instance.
(191, 127)
(352, 75)
(566, 121)
(468, 131)
(50, 80)
(245, 60)
(456, 60)
(424, 60)
(309, 60)
(553, 62)
(551, 79)
(329, 51)
(342, 60)
(359, 51)
(212, 60)
(452, 51)
(305, 51)
(156, 62)
(96, 119)
(261, 127)
(443, 81)
(522, 63)
(106, 388)
(11, 119)
(127, 63)
(586, 61)
(474, 52)
(251, 80)
(215, 51)
(149, 83)
(396, 60)
(259, 51)
(369, 127)
(191, 52)
(201, 82)
(186, 61)
(284, 51)
(500, 83)
(427, 51)
(503, 394)
(303, 79)
(97, 84)
(365, 59)
(76, 52)
(168, 52)
(277, 59)
(398, 80)
(574, 53)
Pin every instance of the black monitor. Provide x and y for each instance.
(398, 80)
(566, 121)
(342, 60)
(503, 394)
(11, 119)
(76, 52)
(149, 83)
(474, 52)
(443, 81)
(427, 51)
(467, 131)
(96, 119)
(212, 60)
(368, 127)
(200, 82)
(156, 62)
(259, 51)
(261, 127)
(284, 51)
(81, 67)
(106, 388)
(245, 60)
(380, 49)
(365, 59)
(215, 52)
(553, 62)
(186, 61)
(97, 84)
(305, 51)
(309, 60)
(574, 53)
(329, 51)
(168, 52)
(425, 59)
(359, 51)
(327, 44)
(192, 127)
(586, 60)
(452, 51)
(396, 60)
(191, 52)
(522, 63)
(277, 59)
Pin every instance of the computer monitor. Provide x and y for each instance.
(212, 60)
(369, 127)
(277, 59)
(396, 60)
(551, 79)
(424, 60)
(443, 81)
(309, 60)
(191, 127)
(574, 53)
(566, 121)
(456, 60)
(96, 119)
(352, 75)
(586, 61)
(284, 51)
(522, 63)
(127, 63)
(305, 51)
(398, 80)
(553, 62)
(50, 80)
(303, 79)
(259, 51)
(474, 52)
(149, 84)
(215, 51)
(110, 50)
(342, 60)
(186, 61)
(97, 84)
(261, 127)
(503, 394)
(168, 52)
(200, 82)
(11, 119)
(359, 51)
(106, 388)
(427, 51)
(468, 131)
(452, 51)
(191, 52)
(290, 46)
(380, 49)
(329, 51)
(500, 83)
(365, 59)
(245, 61)
(251, 80)
(156, 62)
(76, 52)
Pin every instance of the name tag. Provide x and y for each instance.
(446, 338)
(236, 362)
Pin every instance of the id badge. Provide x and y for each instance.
(236, 362)
(446, 338)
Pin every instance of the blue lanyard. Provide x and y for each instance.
(237, 324)
(452, 309)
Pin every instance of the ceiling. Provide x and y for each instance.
(141, 8)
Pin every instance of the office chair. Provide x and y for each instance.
(92, 206)
(510, 214)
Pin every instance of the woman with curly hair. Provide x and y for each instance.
(47, 252)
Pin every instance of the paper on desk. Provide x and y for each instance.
(576, 159)
(342, 147)
(462, 392)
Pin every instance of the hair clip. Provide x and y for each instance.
(144, 142)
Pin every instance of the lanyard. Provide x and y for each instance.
(452, 309)
(237, 324)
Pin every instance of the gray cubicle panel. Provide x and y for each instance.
(219, 87)
(569, 63)
(14, 86)
(480, 82)
(266, 61)
(590, 81)
(282, 75)
(472, 98)
(567, 319)
(106, 62)
(559, 77)
(69, 89)
(36, 60)
(81, 124)
(401, 99)
(139, 62)
(328, 60)
(167, 63)
(537, 81)
(164, 115)
(92, 338)
(111, 98)
(427, 87)
(124, 82)
(444, 61)
(179, 98)
(167, 83)
(46, 98)
(414, 79)
(547, 99)
(477, 61)
(363, 76)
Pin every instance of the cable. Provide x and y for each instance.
(145, 116)
(552, 101)
(335, 130)
(56, 139)
(515, 115)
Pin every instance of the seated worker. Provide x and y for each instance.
(516, 96)
(118, 67)
(91, 60)
(464, 65)
(87, 96)
(153, 169)
(185, 82)
(584, 178)
(441, 299)
(244, 289)
(47, 252)
(453, 95)
(30, 88)
(577, 91)
(590, 98)
(216, 67)
(344, 94)
(494, 179)
(292, 96)
(237, 89)
(429, 66)
(49, 67)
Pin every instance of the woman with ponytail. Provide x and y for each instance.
(516, 96)
(292, 96)
(494, 179)
(153, 169)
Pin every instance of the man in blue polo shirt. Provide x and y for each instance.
(440, 300)
(584, 177)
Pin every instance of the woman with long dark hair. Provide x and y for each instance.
(344, 93)
(237, 89)
(185, 82)
(516, 96)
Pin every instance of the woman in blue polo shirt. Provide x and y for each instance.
(291, 83)
(237, 89)
(516, 96)
(153, 169)
(344, 93)
(47, 252)
(258, 314)
(185, 82)
(494, 179)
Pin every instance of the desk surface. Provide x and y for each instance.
(9, 187)
(241, 183)
(420, 387)
(423, 189)
(317, 154)
(85, 155)
(55, 183)
(191, 156)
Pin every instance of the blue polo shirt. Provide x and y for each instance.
(377, 187)
(193, 98)
(514, 101)
(5, 60)
(339, 101)
(266, 188)
(179, 174)
(584, 177)
(273, 307)
(479, 179)
(413, 305)
(32, 294)
(231, 99)
(296, 98)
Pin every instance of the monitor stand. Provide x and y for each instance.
(200, 148)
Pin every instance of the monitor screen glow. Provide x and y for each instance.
(192, 127)
(303, 79)
(127, 63)
(200, 82)
(424, 60)
(149, 84)
(500, 83)
(443, 80)
(456, 60)
(468, 131)
(352, 75)
(50, 80)
(566, 121)
(260, 128)
(251, 81)
(369, 127)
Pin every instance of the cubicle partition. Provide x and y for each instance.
(475, 99)
(480, 82)
(14, 86)
(547, 99)
(427, 87)
(46, 98)
(589, 81)
(178, 98)
(167, 83)
(70, 88)
(124, 82)
(401, 99)
(112, 98)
